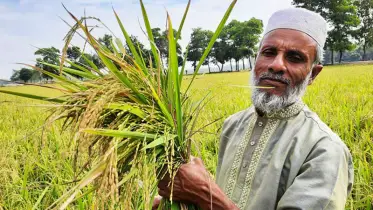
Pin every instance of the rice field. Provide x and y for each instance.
(36, 162)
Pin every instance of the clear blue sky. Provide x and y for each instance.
(28, 23)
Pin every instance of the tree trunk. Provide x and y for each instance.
(237, 65)
(231, 64)
(217, 66)
(364, 51)
(243, 63)
(340, 56)
(332, 57)
(250, 64)
(208, 64)
(222, 67)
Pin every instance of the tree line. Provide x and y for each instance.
(237, 42)
(350, 35)
(350, 21)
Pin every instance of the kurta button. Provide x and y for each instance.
(244, 165)
(260, 124)
(252, 143)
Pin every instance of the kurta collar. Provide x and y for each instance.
(287, 112)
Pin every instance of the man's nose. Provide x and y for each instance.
(277, 65)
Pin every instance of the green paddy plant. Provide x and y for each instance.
(132, 123)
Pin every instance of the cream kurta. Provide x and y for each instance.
(285, 160)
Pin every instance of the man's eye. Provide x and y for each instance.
(295, 58)
(268, 53)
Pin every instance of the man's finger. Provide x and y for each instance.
(164, 192)
(197, 161)
(163, 183)
(156, 202)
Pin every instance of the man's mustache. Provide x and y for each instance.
(272, 76)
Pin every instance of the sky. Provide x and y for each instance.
(26, 25)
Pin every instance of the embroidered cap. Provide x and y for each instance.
(299, 19)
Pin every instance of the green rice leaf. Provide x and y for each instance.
(127, 177)
(175, 206)
(93, 65)
(120, 134)
(57, 77)
(150, 35)
(182, 22)
(159, 141)
(40, 198)
(79, 66)
(127, 107)
(114, 49)
(163, 107)
(120, 46)
(212, 41)
(109, 64)
(183, 67)
(31, 96)
(131, 45)
(174, 71)
(37, 85)
(89, 178)
(73, 71)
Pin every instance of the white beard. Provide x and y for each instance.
(267, 102)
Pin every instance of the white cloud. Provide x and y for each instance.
(36, 22)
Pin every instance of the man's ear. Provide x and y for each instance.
(315, 71)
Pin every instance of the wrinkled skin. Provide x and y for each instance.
(287, 52)
(193, 184)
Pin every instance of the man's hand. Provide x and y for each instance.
(193, 184)
(156, 202)
(191, 180)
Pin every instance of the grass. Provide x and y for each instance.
(35, 171)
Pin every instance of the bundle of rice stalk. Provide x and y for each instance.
(132, 121)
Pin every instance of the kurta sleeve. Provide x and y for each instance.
(324, 180)
(222, 145)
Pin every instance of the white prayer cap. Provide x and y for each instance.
(299, 19)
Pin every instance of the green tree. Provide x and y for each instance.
(220, 52)
(161, 41)
(36, 76)
(242, 37)
(319, 6)
(146, 54)
(73, 53)
(231, 35)
(106, 41)
(250, 35)
(198, 42)
(341, 16)
(48, 55)
(92, 57)
(365, 32)
(25, 74)
(15, 76)
(344, 18)
(208, 35)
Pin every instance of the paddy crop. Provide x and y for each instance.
(36, 162)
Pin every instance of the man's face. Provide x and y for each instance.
(285, 62)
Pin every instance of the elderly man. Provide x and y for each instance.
(277, 154)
